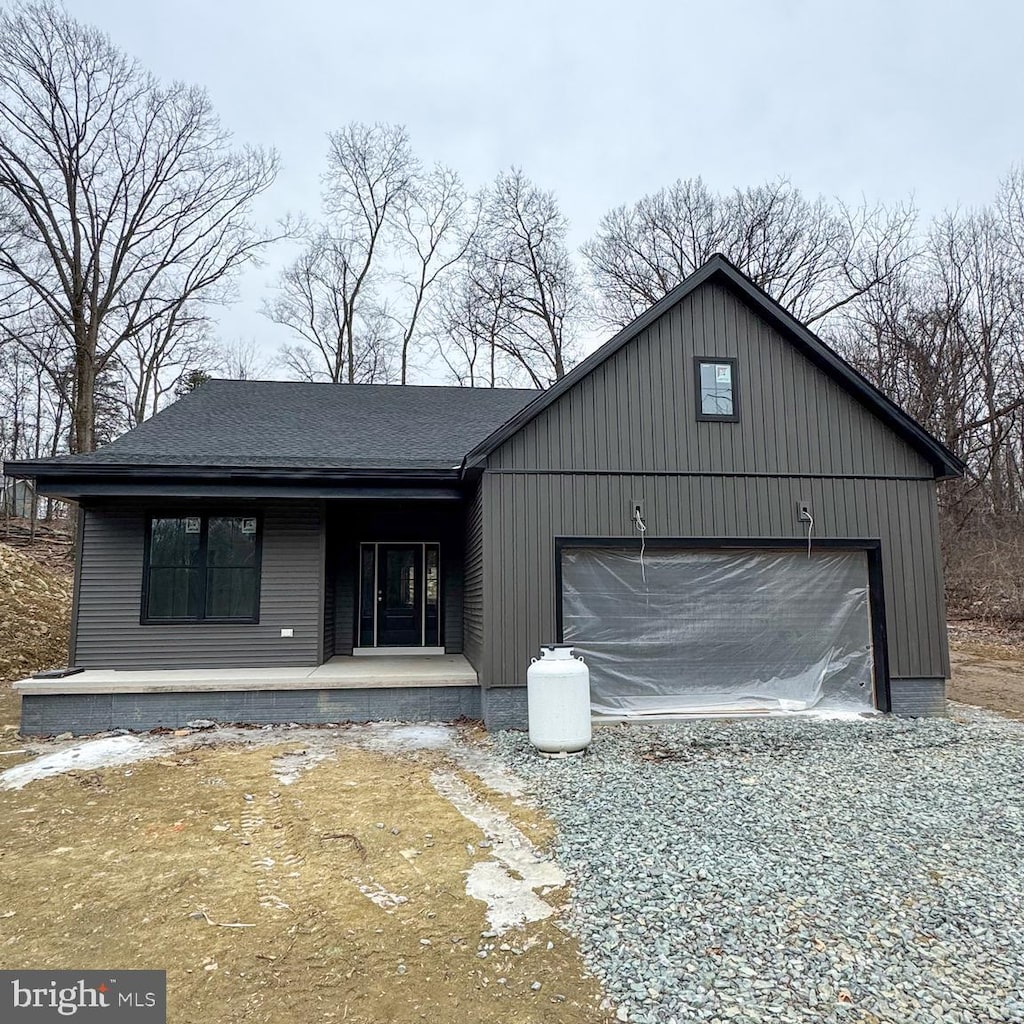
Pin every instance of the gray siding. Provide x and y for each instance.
(628, 432)
(525, 512)
(473, 599)
(109, 633)
(636, 412)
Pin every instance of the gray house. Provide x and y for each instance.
(717, 510)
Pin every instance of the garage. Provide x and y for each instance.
(672, 628)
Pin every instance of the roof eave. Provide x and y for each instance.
(121, 471)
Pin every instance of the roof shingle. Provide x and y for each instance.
(294, 425)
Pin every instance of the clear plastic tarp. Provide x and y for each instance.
(701, 631)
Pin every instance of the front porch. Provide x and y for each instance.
(344, 689)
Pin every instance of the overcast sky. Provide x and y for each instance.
(603, 102)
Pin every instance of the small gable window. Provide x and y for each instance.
(202, 568)
(716, 389)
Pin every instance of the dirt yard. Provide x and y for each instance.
(988, 666)
(291, 876)
(35, 608)
(296, 875)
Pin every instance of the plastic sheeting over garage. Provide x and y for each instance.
(705, 630)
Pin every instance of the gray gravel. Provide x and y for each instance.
(793, 870)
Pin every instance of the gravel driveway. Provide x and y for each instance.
(796, 870)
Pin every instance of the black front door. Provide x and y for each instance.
(399, 595)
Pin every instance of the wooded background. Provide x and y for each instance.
(126, 217)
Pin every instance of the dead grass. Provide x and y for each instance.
(35, 609)
(147, 866)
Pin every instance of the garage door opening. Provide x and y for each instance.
(720, 630)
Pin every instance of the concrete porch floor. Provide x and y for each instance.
(340, 673)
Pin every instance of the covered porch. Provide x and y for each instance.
(394, 575)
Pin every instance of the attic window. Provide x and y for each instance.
(716, 389)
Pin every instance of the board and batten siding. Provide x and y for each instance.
(109, 634)
(473, 600)
(628, 433)
(635, 413)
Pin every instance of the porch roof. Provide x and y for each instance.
(289, 431)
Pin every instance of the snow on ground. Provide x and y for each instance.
(105, 752)
(56, 758)
(508, 881)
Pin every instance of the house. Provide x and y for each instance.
(17, 498)
(716, 509)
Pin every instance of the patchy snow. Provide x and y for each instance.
(408, 737)
(106, 752)
(290, 766)
(488, 769)
(385, 900)
(506, 883)
(510, 902)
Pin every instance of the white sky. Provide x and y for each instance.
(603, 102)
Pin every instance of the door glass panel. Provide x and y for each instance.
(367, 595)
(432, 595)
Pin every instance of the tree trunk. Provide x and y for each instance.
(84, 417)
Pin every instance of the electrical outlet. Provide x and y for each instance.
(636, 506)
(803, 511)
(287, 631)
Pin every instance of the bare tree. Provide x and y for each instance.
(467, 324)
(516, 294)
(344, 332)
(811, 256)
(120, 197)
(153, 361)
(945, 339)
(241, 359)
(437, 226)
(329, 297)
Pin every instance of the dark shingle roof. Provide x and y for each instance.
(291, 425)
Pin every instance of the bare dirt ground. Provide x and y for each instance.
(340, 895)
(273, 886)
(35, 607)
(988, 667)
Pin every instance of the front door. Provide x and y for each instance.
(399, 595)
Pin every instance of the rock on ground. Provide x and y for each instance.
(796, 870)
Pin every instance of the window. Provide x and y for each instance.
(202, 569)
(716, 389)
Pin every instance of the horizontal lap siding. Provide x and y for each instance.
(109, 633)
(525, 512)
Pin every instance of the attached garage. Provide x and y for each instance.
(687, 627)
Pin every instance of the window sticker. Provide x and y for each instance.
(192, 524)
(722, 373)
(249, 525)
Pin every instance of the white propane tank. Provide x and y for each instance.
(558, 700)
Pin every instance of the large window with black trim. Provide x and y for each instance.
(716, 388)
(203, 568)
